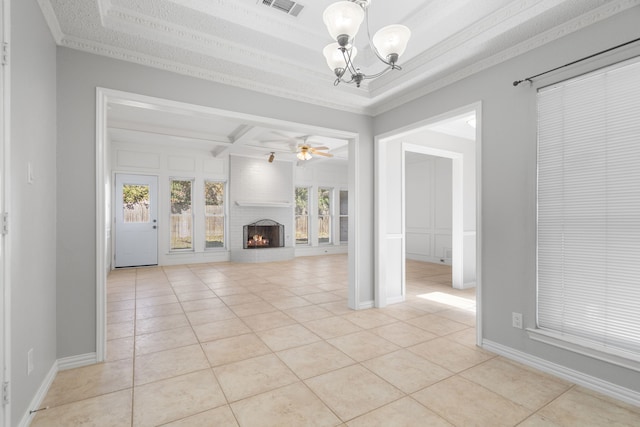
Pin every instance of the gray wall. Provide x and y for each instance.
(32, 211)
(78, 76)
(509, 179)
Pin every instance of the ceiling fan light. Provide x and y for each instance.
(391, 40)
(335, 57)
(303, 155)
(343, 18)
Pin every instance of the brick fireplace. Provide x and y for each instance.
(263, 234)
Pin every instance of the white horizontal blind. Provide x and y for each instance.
(589, 208)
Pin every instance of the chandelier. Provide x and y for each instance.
(343, 20)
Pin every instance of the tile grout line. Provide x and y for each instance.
(211, 368)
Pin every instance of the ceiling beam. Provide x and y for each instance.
(243, 136)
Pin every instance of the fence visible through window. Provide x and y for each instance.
(302, 215)
(135, 203)
(181, 229)
(324, 215)
(214, 214)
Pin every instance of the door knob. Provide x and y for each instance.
(155, 227)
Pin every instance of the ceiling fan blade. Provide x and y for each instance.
(320, 153)
(320, 148)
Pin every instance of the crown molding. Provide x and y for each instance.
(252, 68)
(463, 44)
(320, 98)
(548, 36)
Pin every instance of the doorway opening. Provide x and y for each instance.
(249, 126)
(452, 141)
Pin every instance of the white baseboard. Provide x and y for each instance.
(395, 300)
(302, 251)
(609, 389)
(365, 305)
(39, 397)
(58, 365)
(77, 361)
(469, 285)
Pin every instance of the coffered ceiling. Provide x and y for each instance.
(248, 44)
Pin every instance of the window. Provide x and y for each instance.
(214, 214)
(344, 216)
(324, 215)
(135, 203)
(589, 210)
(181, 215)
(302, 215)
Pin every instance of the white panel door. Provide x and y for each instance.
(136, 214)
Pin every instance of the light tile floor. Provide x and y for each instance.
(275, 345)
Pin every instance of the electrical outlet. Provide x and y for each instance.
(516, 320)
(29, 173)
(29, 361)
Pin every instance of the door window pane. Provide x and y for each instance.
(135, 203)
(181, 215)
(324, 215)
(302, 216)
(214, 214)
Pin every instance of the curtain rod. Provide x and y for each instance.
(530, 79)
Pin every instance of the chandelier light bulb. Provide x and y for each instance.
(391, 40)
(335, 58)
(343, 18)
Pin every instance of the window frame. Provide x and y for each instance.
(329, 216)
(223, 215)
(308, 216)
(192, 215)
(590, 342)
(342, 216)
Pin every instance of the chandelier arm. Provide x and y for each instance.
(349, 63)
(385, 71)
(356, 75)
(373, 47)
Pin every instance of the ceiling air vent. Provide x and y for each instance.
(287, 6)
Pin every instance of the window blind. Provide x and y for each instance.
(588, 256)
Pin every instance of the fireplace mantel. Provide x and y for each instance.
(255, 204)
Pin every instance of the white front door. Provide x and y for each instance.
(136, 205)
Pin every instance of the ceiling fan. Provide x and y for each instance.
(301, 146)
(305, 151)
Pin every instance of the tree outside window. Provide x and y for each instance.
(214, 215)
(344, 216)
(324, 215)
(135, 203)
(181, 215)
(302, 215)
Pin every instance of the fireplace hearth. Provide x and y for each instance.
(263, 234)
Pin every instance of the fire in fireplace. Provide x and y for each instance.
(265, 233)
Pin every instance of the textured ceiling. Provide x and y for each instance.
(246, 44)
